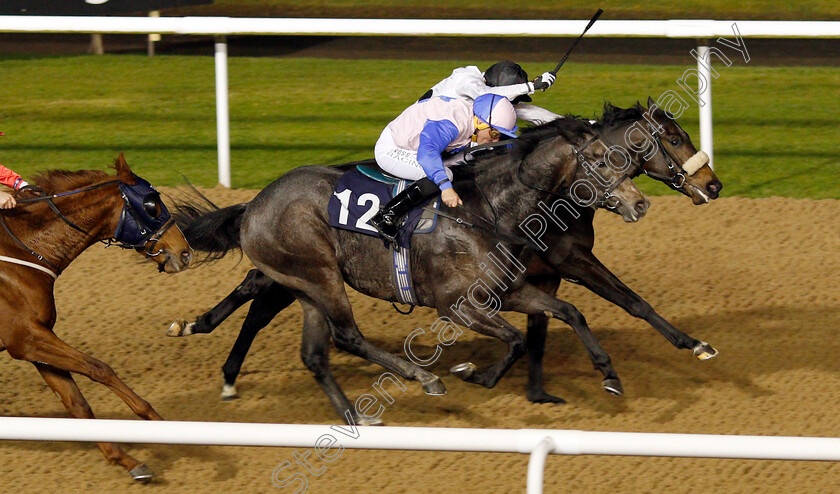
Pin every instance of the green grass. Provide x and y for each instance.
(504, 9)
(775, 127)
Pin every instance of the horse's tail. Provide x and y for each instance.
(209, 229)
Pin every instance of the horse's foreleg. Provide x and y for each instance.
(62, 383)
(535, 342)
(42, 345)
(254, 282)
(596, 277)
(270, 300)
(530, 300)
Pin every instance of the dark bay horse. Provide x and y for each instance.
(644, 132)
(285, 232)
(570, 256)
(41, 237)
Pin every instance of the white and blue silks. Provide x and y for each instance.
(468, 83)
(434, 138)
(411, 145)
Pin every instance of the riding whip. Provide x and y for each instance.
(594, 18)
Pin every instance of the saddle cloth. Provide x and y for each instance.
(357, 197)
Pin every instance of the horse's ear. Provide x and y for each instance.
(123, 170)
(651, 103)
(120, 165)
(640, 107)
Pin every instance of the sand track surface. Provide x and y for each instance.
(757, 278)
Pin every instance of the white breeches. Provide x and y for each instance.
(397, 161)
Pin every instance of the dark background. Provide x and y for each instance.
(79, 7)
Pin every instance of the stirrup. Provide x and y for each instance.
(386, 227)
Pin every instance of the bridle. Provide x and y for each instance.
(147, 239)
(677, 180)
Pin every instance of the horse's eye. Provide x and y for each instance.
(601, 164)
(151, 205)
(675, 141)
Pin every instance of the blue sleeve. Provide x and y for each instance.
(436, 135)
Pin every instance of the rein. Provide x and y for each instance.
(68, 193)
(149, 237)
(494, 227)
(49, 200)
(23, 245)
(468, 158)
(578, 152)
(495, 231)
(54, 208)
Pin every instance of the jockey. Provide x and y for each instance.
(411, 145)
(505, 78)
(13, 180)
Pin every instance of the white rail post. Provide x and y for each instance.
(536, 465)
(704, 64)
(222, 120)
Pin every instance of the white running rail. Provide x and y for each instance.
(536, 442)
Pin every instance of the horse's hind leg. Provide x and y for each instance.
(498, 328)
(311, 270)
(268, 302)
(254, 283)
(347, 337)
(42, 345)
(65, 387)
(314, 352)
(330, 296)
(529, 300)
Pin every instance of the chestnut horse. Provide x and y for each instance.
(41, 237)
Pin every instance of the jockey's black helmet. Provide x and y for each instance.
(506, 73)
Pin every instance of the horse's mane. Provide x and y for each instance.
(55, 181)
(570, 127)
(614, 115)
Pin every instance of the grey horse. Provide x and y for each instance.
(285, 232)
(658, 147)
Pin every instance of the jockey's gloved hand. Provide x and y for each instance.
(32, 190)
(544, 81)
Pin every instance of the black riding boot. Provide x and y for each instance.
(387, 220)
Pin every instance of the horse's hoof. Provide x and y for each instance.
(369, 421)
(434, 387)
(180, 328)
(141, 473)
(543, 397)
(229, 392)
(464, 371)
(704, 351)
(613, 386)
